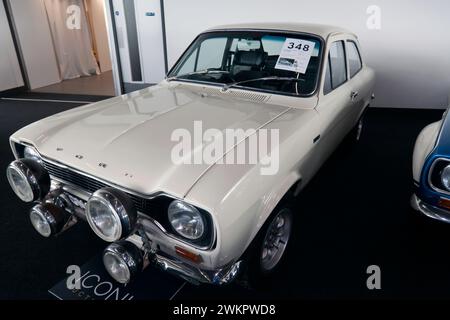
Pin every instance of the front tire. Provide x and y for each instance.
(270, 246)
(275, 241)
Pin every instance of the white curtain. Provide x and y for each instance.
(71, 38)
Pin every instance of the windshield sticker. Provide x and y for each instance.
(295, 55)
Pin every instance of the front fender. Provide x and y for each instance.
(241, 197)
(425, 143)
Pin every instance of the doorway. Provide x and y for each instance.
(63, 46)
(89, 72)
(140, 43)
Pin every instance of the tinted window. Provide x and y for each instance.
(337, 64)
(354, 59)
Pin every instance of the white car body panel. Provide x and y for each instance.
(102, 132)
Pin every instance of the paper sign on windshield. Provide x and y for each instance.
(295, 55)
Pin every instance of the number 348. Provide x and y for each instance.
(298, 47)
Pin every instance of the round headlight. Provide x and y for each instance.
(31, 153)
(186, 220)
(28, 179)
(123, 260)
(111, 214)
(445, 177)
(48, 219)
(41, 222)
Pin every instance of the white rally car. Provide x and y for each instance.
(112, 163)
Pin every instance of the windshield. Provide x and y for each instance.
(268, 61)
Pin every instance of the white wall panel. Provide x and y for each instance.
(122, 40)
(148, 18)
(10, 74)
(31, 23)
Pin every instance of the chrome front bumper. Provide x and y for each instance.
(153, 244)
(193, 275)
(429, 210)
(159, 259)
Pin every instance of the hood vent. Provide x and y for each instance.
(257, 97)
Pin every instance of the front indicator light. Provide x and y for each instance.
(444, 203)
(188, 255)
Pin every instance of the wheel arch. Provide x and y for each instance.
(291, 185)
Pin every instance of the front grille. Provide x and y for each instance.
(155, 207)
(91, 185)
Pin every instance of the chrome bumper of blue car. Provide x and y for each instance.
(429, 210)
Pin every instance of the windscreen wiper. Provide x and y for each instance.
(236, 83)
(206, 71)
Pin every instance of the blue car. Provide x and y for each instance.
(431, 170)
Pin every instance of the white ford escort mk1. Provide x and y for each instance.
(137, 170)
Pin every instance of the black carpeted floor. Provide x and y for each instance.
(354, 213)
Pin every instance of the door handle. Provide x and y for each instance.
(354, 95)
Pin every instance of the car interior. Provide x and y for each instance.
(245, 59)
(257, 63)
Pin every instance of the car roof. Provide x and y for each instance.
(316, 29)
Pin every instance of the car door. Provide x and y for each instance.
(335, 97)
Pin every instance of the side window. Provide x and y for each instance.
(336, 73)
(338, 64)
(354, 58)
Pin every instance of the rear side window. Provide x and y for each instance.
(336, 73)
(354, 58)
